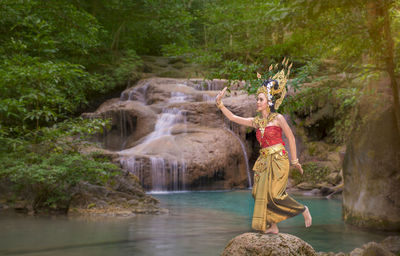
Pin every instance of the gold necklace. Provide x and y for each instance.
(262, 122)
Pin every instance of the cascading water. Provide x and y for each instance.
(160, 176)
(137, 93)
(163, 172)
(166, 174)
(246, 159)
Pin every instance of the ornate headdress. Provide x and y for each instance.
(275, 84)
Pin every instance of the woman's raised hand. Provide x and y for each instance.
(220, 95)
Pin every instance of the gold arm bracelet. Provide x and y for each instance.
(295, 161)
(220, 104)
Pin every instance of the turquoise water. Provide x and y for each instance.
(199, 223)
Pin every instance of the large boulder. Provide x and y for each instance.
(163, 127)
(123, 196)
(371, 249)
(130, 121)
(390, 246)
(371, 170)
(209, 154)
(258, 244)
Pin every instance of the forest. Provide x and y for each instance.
(61, 57)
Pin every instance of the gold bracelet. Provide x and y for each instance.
(220, 104)
(295, 161)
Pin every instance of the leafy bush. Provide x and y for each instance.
(34, 93)
(342, 96)
(48, 179)
(45, 165)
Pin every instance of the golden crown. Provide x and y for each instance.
(281, 77)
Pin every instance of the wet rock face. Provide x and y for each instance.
(267, 244)
(371, 170)
(130, 121)
(171, 135)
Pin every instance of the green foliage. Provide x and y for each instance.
(49, 179)
(124, 70)
(47, 170)
(34, 93)
(49, 29)
(144, 25)
(341, 96)
(313, 173)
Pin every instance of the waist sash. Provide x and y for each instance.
(260, 164)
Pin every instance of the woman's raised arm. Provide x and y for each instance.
(234, 118)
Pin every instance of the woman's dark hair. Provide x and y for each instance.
(274, 97)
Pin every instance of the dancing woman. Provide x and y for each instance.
(271, 170)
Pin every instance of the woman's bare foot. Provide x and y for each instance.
(273, 229)
(307, 217)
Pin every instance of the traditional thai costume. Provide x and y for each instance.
(271, 171)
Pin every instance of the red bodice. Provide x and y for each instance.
(272, 136)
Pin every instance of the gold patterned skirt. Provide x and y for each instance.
(271, 202)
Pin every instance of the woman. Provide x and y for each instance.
(271, 170)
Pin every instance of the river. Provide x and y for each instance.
(199, 223)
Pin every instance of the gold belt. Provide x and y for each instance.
(271, 149)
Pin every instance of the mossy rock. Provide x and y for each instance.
(133, 176)
(162, 64)
(317, 148)
(314, 173)
(147, 68)
(174, 73)
(176, 59)
(179, 65)
(149, 58)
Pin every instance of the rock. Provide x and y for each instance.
(314, 191)
(23, 206)
(392, 243)
(334, 178)
(326, 190)
(336, 160)
(207, 159)
(123, 197)
(323, 184)
(388, 247)
(371, 196)
(197, 146)
(305, 186)
(131, 120)
(267, 244)
(320, 149)
(371, 249)
(329, 191)
(331, 254)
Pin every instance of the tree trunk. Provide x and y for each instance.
(389, 61)
(380, 33)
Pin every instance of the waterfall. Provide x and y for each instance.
(166, 174)
(160, 171)
(207, 97)
(160, 176)
(137, 93)
(168, 118)
(246, 159)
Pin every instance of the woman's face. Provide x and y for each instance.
(262, 102)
